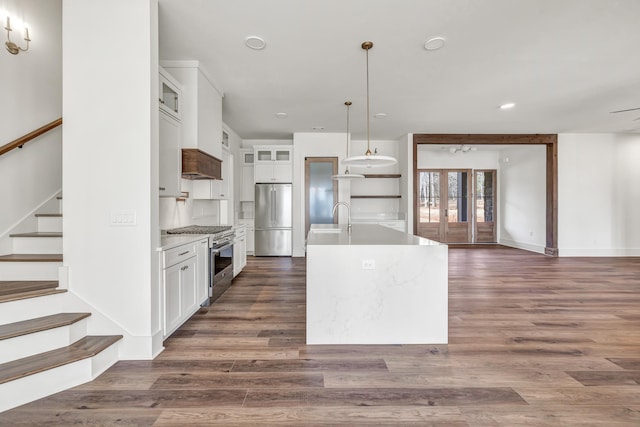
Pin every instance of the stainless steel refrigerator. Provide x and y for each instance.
(273, 218)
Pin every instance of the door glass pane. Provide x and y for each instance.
(320, 192)
(457, 207)
(429, 197)
(484, 196)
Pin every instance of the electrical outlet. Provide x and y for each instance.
(368, 264)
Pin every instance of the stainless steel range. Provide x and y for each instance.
(200, 229)
(220, 255)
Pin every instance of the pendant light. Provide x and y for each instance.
(347, 174)
(369, 159)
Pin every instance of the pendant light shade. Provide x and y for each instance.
(369, 159)
(347, 175)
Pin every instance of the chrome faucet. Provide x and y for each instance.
(335, 207)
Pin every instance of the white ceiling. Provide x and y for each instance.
(565, 63)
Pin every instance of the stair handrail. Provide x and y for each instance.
(18, 143)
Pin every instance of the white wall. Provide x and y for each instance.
(436, 157)
(598, 195)
(110, 164)
(31, 86)
(522, 197)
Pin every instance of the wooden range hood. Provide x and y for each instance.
(196, 164)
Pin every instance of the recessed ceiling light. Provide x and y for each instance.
(282, 115)
(380, 116)
(255, 42)
(434, 43)
(317, 128)
(507, 106)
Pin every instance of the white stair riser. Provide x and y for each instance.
(50, 224)
(39, 342)
(25, 309)
(33, 387)
(29, 270)
(37, 245)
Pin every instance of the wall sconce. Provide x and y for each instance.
(13, 48)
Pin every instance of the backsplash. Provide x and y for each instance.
(175, 214)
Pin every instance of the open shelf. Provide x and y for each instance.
(382, 175)
(389, 196)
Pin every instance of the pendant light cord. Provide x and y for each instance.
(368, 153)
(348, 104)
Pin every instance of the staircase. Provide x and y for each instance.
(43, 351)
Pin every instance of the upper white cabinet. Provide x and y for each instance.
(273, 163)
(201, 107)
(170, 135)
(246, 176)
(170, 100)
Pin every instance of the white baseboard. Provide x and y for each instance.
(598, 252)
(522, 245)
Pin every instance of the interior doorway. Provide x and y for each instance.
(444, 208)
(321, 192)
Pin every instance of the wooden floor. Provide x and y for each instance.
(533, 341)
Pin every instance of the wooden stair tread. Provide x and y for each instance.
(18, 286)
(38, 234)
(49, 215)
(31, 294)
(16, 329)
(31, 258)
(84, 348)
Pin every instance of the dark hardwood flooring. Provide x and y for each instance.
(533, 341)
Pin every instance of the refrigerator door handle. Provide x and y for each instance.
(273, 205)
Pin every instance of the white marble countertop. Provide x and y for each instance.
(169, 241)
(362, 234)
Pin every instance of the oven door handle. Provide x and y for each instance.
(218, 250)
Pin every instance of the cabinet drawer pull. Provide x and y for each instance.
(162, 188)
(183, 253)
(184, 268)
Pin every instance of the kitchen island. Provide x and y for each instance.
(375, 285)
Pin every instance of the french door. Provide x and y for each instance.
(444, 208)
(485, 206)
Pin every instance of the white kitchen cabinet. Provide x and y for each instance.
(201, 107)
(172, 309)
(179, 286)
(247, 157)
(202, 259)
(250, 236)
(213, 189)
(247, 180)
(273, 163)
(170, 100)
(240, 249)
(170, 135)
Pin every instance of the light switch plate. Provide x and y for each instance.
(123, 218)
